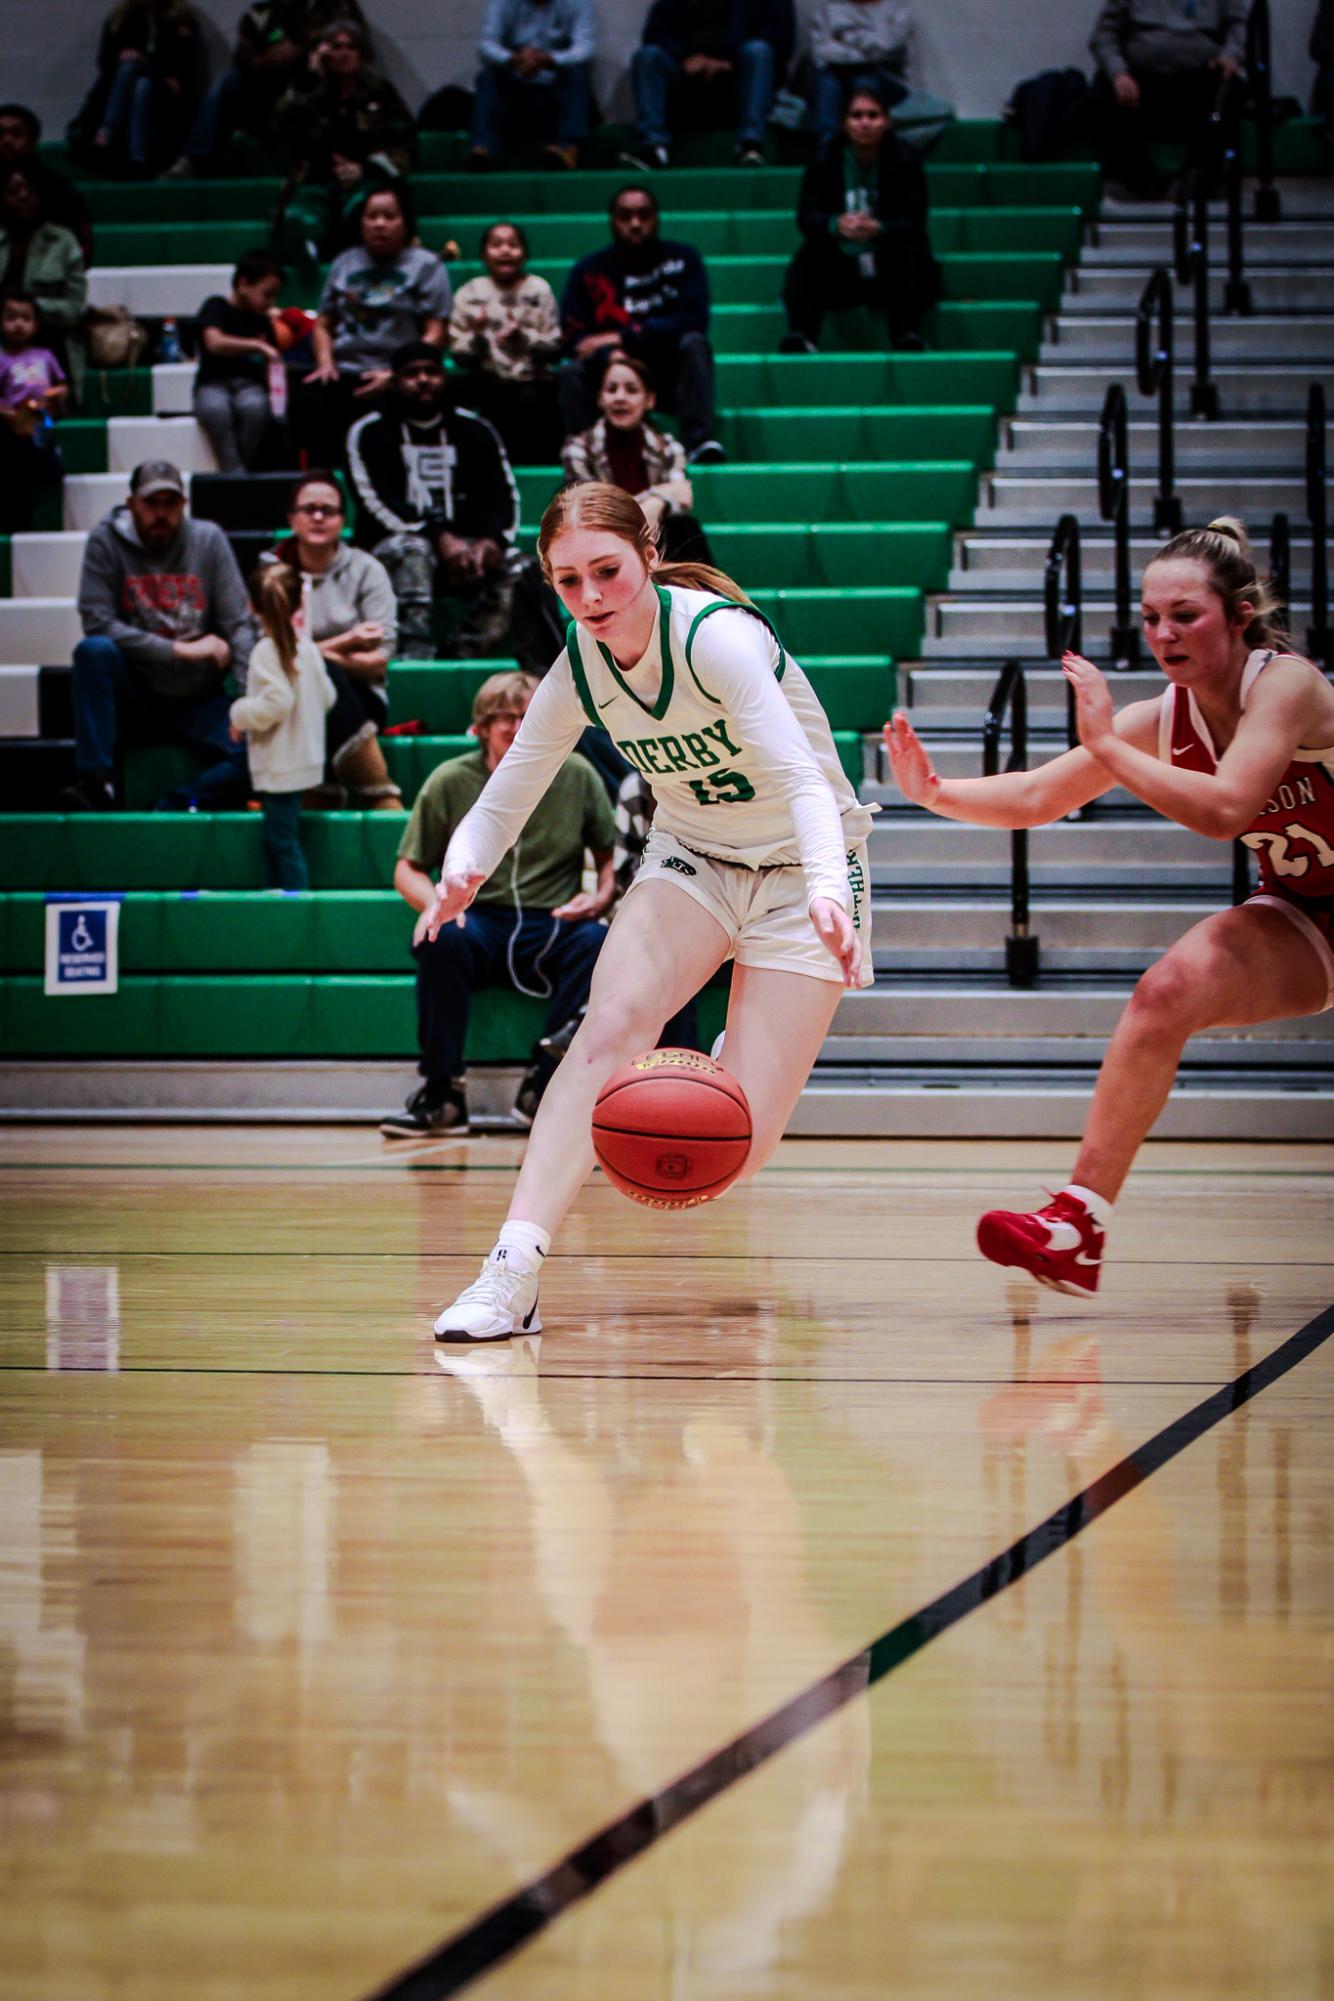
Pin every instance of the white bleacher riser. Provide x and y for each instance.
(90, 497)
(180, 439)
(157, 291)
(42, 629)
(18, 701)
(173, 388)
(47, 566)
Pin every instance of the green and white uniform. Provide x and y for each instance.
(755, 814)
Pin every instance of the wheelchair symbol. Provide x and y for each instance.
(81, 938)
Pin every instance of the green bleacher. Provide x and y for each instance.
(848, 473)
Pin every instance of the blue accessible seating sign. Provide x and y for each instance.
(81, 944)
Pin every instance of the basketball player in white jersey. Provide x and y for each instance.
(1241, 745)
(757, 854)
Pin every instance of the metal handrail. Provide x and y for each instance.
(1280, 559)
(1318, 634)
(1153, 372)
(1063, 606)
(1236, 289)
(1260, 75)
(1114, 506)
(1190, 239)
(1011, 693)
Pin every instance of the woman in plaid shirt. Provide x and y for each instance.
(622, 449)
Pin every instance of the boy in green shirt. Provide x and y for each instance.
(532, 927)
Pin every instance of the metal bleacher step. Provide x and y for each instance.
(994, 626)
(1056, 387)
(1274, 288)
(1081, 935)
(1304, 239)
(1298, 338)
(1227, 444)
(912, 850)
(1013, 500)
(963, 685)
(1014, 562)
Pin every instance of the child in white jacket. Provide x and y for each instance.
(282, 713)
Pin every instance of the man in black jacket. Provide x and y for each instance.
(862, 211)
(438, 506)
(719, 61)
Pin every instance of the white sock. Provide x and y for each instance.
(1097, 1205)
(531, 1243)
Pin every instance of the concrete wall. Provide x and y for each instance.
(971, 51)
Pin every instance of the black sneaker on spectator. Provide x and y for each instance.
(90, 793)
(646, 159)
(535, 1080)
(429, 1116)
(556, 1044)
(750, 155)
(911, 343)
(797, 343)
(709, 453)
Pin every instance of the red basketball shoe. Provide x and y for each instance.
(1061, 1245)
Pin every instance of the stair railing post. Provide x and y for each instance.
(1191, 247)
(1114, 506)
(1153, 372)
(1318, 639)
(1260, 75)
(1236, 289)
(1021, 945)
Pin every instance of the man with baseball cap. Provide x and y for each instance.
(164, 616)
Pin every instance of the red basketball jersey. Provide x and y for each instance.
(1293, 834)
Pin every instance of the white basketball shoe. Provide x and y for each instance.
(500, 1303)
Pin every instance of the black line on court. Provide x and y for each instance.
(500, 1931)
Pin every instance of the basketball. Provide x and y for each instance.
(672, 1129)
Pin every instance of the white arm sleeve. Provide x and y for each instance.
(553, 723)
(733, 655)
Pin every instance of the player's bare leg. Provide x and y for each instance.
(776, 1026)
(1233, 970)
(661, 949)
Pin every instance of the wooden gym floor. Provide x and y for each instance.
(810, 1613)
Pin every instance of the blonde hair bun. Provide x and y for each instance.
(1232, 530)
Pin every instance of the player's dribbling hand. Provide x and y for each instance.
(914, 773)
(1094, 712)
(452, 896)
(834, 929)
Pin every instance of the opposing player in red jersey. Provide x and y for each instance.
(1240, 744)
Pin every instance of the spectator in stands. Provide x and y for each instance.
(349, 609)
(148, 72)
(274, 44)
(645, 295)
(386, 291)
(20, 130)
(164, 616)
(236, 352)
(282, 714)
(33, 392)
(505, 332)
(536, 61)
(1322, 55)
(345, 130)
(711, 63)
(622, 449)
(1160, 64)
(862, 211)
(532, 928)
(43, 258)
(852, 42)
(437, 504)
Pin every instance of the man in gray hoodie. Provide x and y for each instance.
(164, 616)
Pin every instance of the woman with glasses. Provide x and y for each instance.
(349, 611)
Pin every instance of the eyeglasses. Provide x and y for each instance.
(318, 508)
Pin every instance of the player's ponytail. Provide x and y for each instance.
(594, 504)
(1225, 551)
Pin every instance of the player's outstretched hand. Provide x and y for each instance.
(833, 928)
(1093, 700)
(452, 896)
(914, 773)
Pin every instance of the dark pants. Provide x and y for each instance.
(526, 414)
(665, 96)
(235, 100)
(27, 466)
(682, 373)
(283, 855)
(113, 703)
(554, 961)
(321, 414)
(558, 110)
(1176, 109)
(821, 278)
(360, 709)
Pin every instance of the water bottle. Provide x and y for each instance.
(277, 374)
(169, 348)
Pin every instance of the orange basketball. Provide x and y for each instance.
(671, 1129)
